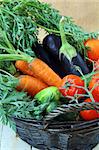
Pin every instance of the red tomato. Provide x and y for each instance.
(89, 114)
(70, 82)
(93, 52)
(95, 92)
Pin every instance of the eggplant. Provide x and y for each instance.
(70, 58)
(45, 56)
(52, 44)
(67, 55)
(72, 66)
(41, 53)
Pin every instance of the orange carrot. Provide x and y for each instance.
(39, 68)
(30, 85)
(23, 67)
(43, 72)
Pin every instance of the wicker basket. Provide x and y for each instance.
(59, 135)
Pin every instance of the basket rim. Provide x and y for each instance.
(74, 127)
(43, 121)
(59, 123)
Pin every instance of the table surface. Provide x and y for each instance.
(9, 140)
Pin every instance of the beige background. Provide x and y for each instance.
(84, 12)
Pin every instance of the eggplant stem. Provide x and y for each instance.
(68, 50)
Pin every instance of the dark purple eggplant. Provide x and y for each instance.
(65, 53)
(70, 58)
(52, 44)
(45, 56)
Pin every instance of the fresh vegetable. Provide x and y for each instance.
(49, 94)
(93, 49)
(71, 85)
(94, 86)
(42, 53)
(43, 72)
(52, 44)
(89, 114)
(68, 55)
(30, 85)
(23, 66)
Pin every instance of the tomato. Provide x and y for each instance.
(69, 83)
(89, 114)
(93, 52)
(95, 92)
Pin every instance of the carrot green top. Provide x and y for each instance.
(12, 53)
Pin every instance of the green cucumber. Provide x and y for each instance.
(48, 95)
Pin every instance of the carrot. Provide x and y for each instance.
(40, 69)
(43, 72)
(30, 85)
(23, 67)
(36, 68)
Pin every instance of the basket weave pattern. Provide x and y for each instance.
(50, 134)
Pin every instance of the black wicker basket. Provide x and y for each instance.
(53, 134)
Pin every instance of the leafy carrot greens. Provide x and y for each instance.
(16, 104)
(46, 17)
(20, 31)
(21, 20)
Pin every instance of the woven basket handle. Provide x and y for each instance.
(71, 108)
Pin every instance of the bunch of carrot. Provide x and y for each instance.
(38, 76)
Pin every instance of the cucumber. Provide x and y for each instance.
(48, 95)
